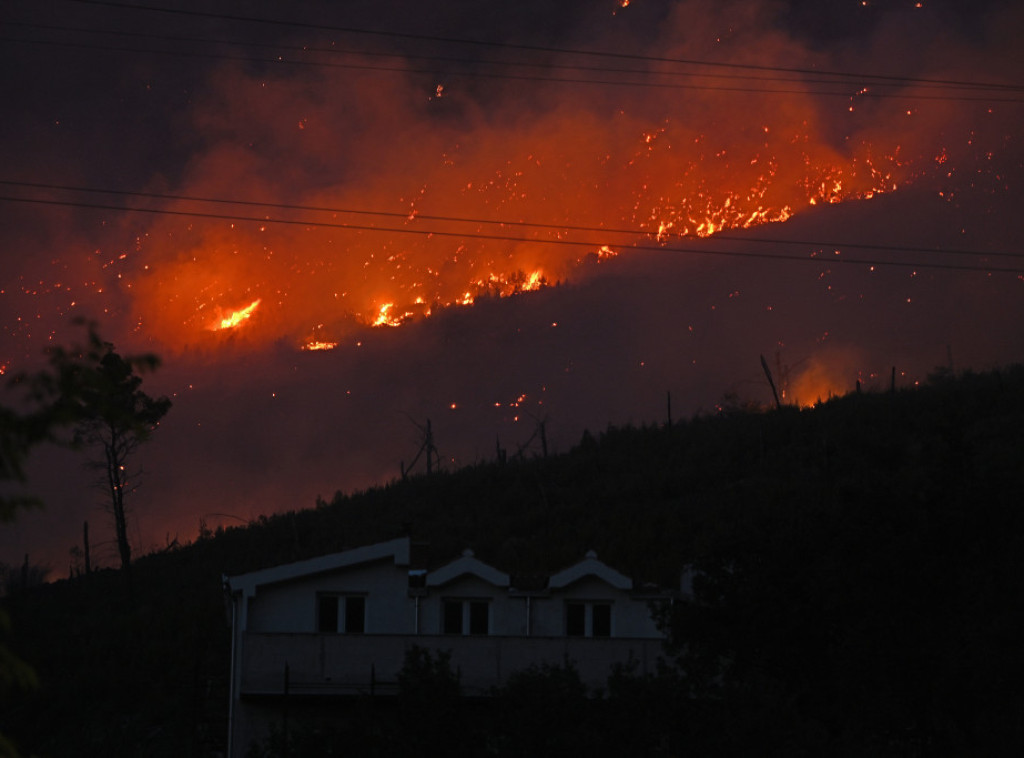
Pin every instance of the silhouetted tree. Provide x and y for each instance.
(543, 710)
(99, 389)
(42, 412)
(432, 719)
(19, 433)
(428, 447)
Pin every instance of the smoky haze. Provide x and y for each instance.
(260, 425)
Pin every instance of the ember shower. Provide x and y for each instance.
(391, 195)
(346, 180)
(395, 180)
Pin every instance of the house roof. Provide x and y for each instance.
(397, 549)
(590, 566)
(467, 564)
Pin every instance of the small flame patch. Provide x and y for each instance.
(236, 318)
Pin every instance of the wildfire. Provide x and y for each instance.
(320, 345)
(822, 377)
(236, 318)
(534, 281)
(494, 208)
(370, 193)
(388, 315)
(318, 340)
(658, 189)
(503, 286)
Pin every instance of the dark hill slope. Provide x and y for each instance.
(818, 533)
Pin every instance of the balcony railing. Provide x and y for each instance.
(338, 664)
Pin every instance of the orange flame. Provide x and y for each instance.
(320, 345)
(829, 374)
(506, 212)
(236, 318)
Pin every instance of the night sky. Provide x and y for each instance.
(490, 215)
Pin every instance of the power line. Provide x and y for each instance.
(334, 51)
(495, 222)
(810, 83)
(516, 77)
(390, 34)
(549, 79)
(506, 238)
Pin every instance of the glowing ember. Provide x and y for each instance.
(449, 206)
(516, 211)
(320, 346)
(439, 190)
(318, 340)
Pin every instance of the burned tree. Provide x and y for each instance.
(100, 390)
(428, 447)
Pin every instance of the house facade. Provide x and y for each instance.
(340, 625)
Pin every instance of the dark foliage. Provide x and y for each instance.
(858, 593)
(857, 596)
(100, 392)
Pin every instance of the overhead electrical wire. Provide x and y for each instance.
(632, 83)
(492, 222)
(780, 75)
(589, 244)
(481, 74)
(536, 48)
(336, 51)
(832, 76)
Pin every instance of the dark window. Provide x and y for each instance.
(453, 617)
(327, 613)
(575, 619)
(355, 614)
(601, 620)
(478, 617)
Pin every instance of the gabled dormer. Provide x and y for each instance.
(468, 565)
(589, 567)
(591, 599)
(468, 598)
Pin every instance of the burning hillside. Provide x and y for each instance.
(500, 210)
(340, 186)
(226, 185)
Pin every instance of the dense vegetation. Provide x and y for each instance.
(859, 585)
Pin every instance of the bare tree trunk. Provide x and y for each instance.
(85, 541)
(115, 477)
(430, 448)
(771, 382)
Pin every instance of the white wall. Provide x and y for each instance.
(503, 610)
(292, 606)
(630, 617)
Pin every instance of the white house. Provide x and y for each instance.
(341, 624)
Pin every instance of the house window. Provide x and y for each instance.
(588, 619)
(576, 619)
(453, 617)
(341, 613)
(355, 614)
(479, 616)
(601, 620)
(466, 617)
(327, 613)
